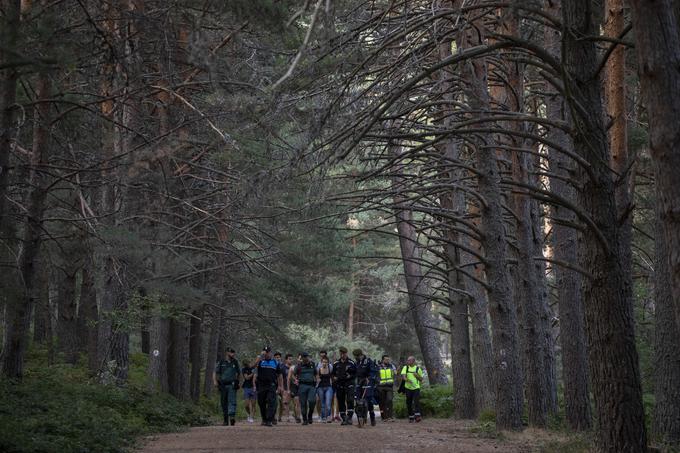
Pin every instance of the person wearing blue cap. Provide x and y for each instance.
(268, 380)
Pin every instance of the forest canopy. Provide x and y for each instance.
(492, 187)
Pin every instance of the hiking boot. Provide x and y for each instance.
(269, 424)
(232, 421)
(297, 420)
(411, 419)
(372, 420)
(274, 422)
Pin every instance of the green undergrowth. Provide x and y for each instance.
(59, 409)
(435, 401)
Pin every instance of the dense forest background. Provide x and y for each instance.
(491, 186)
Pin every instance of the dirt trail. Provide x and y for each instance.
(430, 436)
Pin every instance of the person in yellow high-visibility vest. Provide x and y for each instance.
(387, 375)
(412, 375)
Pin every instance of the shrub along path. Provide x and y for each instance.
(432, 435)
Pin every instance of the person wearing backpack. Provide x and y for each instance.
(365, 385)
(344, 372)
(412, 377)
(226, 378)
(305, 377)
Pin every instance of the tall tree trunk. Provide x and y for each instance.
(212, 356)
(112, 338)
(453, 204)
(41, 313)
(88, 315)
(419, 304)
(67, 329)
(9, 33)
(178, 359)
(195, 343)
(526, 294)
(565, 245)
(507, 367)
(20, 310)
(657, 38)
(610, 328)
(159, 344)
(615, 97)
(482, 350)
(666, 417)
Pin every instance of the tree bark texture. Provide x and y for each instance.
(20, 310)
(41, 311)
(666, 417)
(565, 245)
(178, 359)
(159, 343)
(657, 39)
(419, 305)
(88, 315)
(610, 328)
(67, 329)
(508, 93)
(453, 204)
(615, 97)
(211, 356)
(9, 32)
(507, 367)
(195, 343)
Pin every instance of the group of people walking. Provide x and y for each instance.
(335, 390)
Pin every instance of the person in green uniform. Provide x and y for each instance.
(226, 377)
(305, 378)
(412, 374)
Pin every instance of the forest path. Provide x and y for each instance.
(432, 435)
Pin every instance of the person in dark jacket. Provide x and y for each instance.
(226, 378)
(365, 383)
(268, 380)
(344, 372)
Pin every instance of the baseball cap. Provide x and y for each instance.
(230, 350)
(267, 349)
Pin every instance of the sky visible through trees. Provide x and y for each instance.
(492, 187)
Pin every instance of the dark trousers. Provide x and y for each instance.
(307, 395)
(228, 400)
(266, 399)
(413, 403)
(385, 397)
(345, 395)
